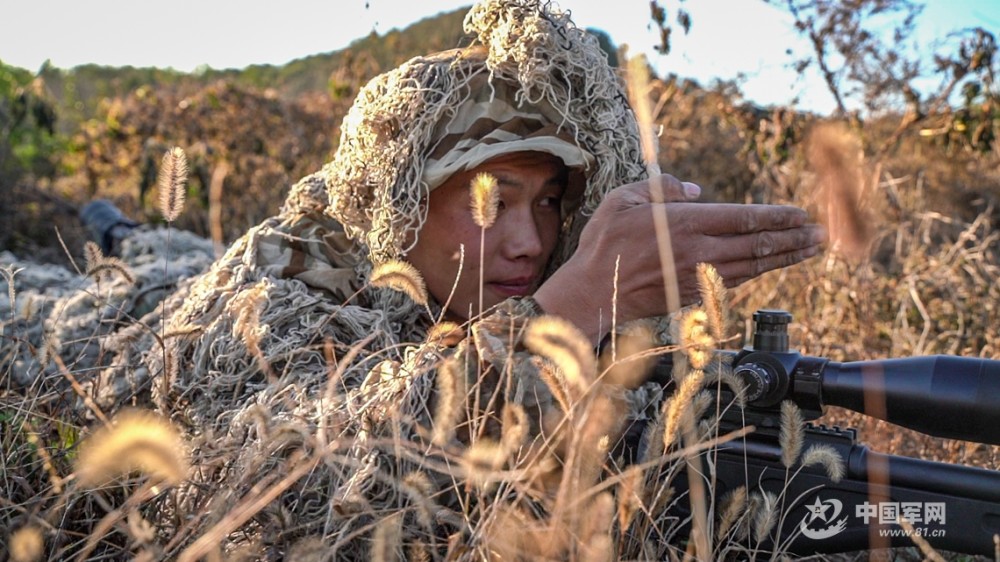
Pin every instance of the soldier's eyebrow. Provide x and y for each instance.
(559, 179)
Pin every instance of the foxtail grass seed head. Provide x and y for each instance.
(733, 505)
(447, 334)
(420, 491)
(26, 544)
(628, 498)
(790, 438)
(765, 517)
(173, 177)
(402, 277)
(308, 549)
(565, 345)
(515, 426)
(632, 365)
(725, 374)
(549, 374)
(142, 531)
(388, 540)
(696, 340)
(828, 458)
(99, 265)
(600, 517)
(8, 272)
(136, 441)
(451, 388)
(713, 298)
(834, 154)
(248, 304)
(678, 407)
(485, 455)
(485, 199)
(92, 255)
(51, 346)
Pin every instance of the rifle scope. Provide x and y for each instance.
(940, 395)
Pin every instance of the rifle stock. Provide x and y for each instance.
(953, 507)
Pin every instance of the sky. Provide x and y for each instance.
(729, 39)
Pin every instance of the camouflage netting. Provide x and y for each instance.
(83, 319)
(281, 357)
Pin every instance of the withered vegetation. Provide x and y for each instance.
(914, 270)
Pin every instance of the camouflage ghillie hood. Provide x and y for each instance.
(535, 62)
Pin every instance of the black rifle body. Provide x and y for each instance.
(953, 507)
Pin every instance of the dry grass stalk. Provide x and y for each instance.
(248, 507)
(714, 299)
(485, 200)
(791, 437)
(26, 544)
(835, 156)
(50, 349)
(638, 91)
(215, 205)
(43, 452)
(565, 345)
(172, 180)
(400, 276)
(924, 546)
(828, 458)
(137, 440)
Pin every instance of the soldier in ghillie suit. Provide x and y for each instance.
(422, 421)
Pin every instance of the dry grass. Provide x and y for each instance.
(921, 277)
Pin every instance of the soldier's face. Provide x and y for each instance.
(517, 247)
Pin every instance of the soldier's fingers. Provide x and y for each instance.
(731, 219)
(769, 242)
(752, 267)
(663, 188)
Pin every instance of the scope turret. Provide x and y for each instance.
(941, 395)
